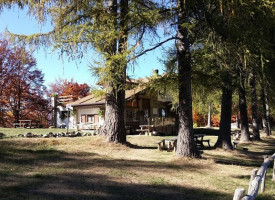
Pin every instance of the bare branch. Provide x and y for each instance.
(156, 46)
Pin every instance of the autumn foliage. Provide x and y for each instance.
(21, 86)
(63, 87)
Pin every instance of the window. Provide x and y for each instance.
(64, 114)
(131, 103)
(83, 118)
(162, 112)
(90, 118)
(131, 115)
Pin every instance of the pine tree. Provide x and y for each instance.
(103, 26)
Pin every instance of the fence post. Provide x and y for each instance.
(273, 176)
(257, 177)
(253, 175)
(239, 193)
(263, 179)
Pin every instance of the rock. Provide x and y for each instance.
(50, 134)
(72, 135)
(2, 135)
(78, 134)
(58, 135)
(84, 134)
(29, 135)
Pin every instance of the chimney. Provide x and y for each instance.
(157, 71)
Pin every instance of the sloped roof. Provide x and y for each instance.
(88, 100)
(130, 93)
(139, 80)
(92, 100)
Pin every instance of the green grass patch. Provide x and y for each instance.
(157, 181)
(13, 132)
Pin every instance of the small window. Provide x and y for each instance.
(162, 112)
(64, 114)
(131, 115)
(90, 118)
(83, 118)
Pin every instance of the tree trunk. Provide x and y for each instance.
(54, 112)
(114, 127)
(17, 107)
(267, 112)
(16, 116)
(177, 122)
(224, 138)
(209, 115)
(254, 106)
(185, 146)
(264, 112)
(237, 118)
(243, 111)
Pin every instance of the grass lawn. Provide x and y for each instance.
(90, 168)
(9, 132)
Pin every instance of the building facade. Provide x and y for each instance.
(143, 107)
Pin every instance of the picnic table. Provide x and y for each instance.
(199, 140)
(145, 128)
(26, 123)
(172, 142)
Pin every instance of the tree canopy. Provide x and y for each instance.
(64, 87)
(21, 85)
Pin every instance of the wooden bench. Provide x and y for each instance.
(171, 144)
(159, 144)
(199, 143)
(208, 141)
(142, 131)
(235, 143)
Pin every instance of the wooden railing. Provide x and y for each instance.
(257, 178)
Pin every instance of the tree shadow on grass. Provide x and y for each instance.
(134, 146)
(99, 187)
(247, 156)
(52, 174)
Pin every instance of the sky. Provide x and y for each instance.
(17, 21)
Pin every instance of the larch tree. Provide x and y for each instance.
(265, 107)
(258, 20)
(234, 22)
(254, 103)
(245, 136)
(185, 146)
(103, 26)
(186, 15)
(223, 52)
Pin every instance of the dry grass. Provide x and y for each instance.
(90, 168)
